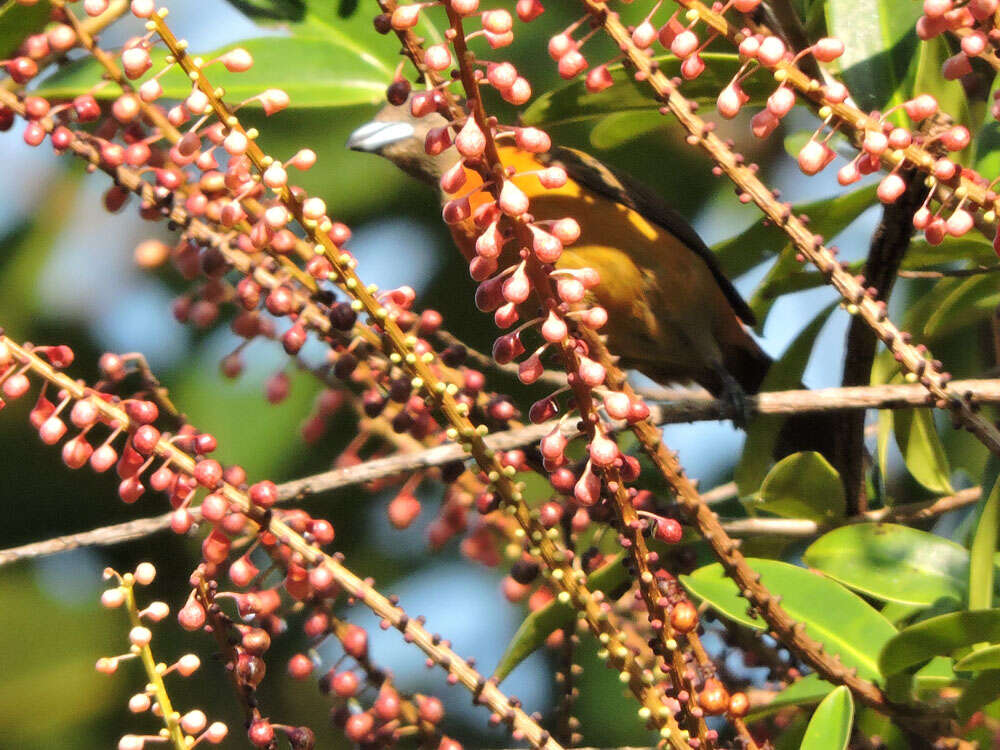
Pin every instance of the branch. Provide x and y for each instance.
(860, 303)
(688, 408)
(484, 691)
(885, 254)
(801, 527)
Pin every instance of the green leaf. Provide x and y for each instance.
(880, 41)
(939, 636)
(972, 300)
(19, 21)
(987, 140)
(972, 247)
(344, 22)
(759, 242)
(802, 485)
(922, 451)
(843, 622)
(892, 563)
(978, 693)
(622, 127)
(984, 545)
(830, 725)
(897, 613)
(786, 275)
(537, 626)
(314, 72)
(807, 691)
(762, 433)
(984, 658)
(934, 675)
(572, 102)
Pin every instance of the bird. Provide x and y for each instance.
(673, 315)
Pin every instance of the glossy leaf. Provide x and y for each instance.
(934, 675)
(893, 563)
(572, 102)
(18, 21)
(759, 242)
(346, 23)
(922, 451)
(880, 41)
(987, 141)
(843, 622)
(802, 485)
(981, 691)
(807, 691)
(830, 725)
(537, 626)
(622, 127)
(972, 246)
(762, 433)
(939, 636)
(313, 72)
(971, 300)
(980, 659)
(984, 546)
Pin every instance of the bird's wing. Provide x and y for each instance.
(621, 187)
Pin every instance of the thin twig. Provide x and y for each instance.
(691, 408)
(954, 273)
(801, 527)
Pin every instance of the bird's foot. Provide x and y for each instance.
(737, 406)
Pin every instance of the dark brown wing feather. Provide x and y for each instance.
(619, 186)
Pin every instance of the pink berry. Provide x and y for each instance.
(603, 451)
(684, 44)
(772, 49)
(959, 223)
(598, 79)
(921, 107)
(781, 101)
(730, 100)
(470, 141)
(559, 45)
(828, 49)
(890, 188)
(763, 123)
(52, 430)
(571, 64)
(814, 156)
(497, 21)
(103, 458)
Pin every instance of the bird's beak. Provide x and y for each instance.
(372, 137)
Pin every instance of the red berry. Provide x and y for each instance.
(668, 530)
(145, 439)
(358, 726)
(300, 666)
(208, 473)
(264, 494)
(261, 733)
(345, 684)
(355, 641)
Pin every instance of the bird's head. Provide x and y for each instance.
(399, 136)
